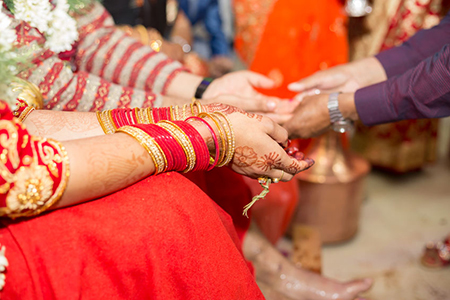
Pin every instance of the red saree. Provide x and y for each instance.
(161, 238)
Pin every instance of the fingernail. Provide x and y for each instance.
(271, 105)
(299, 155)
(310, 162)
(296, 87)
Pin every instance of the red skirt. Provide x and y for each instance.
(161, 238)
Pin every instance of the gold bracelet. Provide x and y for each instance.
(183, 140)
(223, 142)
(177, 113)
(149, 114)
(105, 122)
(152, 147)
(197, 104)
(230, 137)
(184, 111)
(25, 113)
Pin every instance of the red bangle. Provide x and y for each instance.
(214, 136)
(200, 147)
(176, 158)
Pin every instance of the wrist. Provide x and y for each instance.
(184, 85)
(347, 106)
(368, 71)
(201, 88)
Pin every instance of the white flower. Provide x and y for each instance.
(3, 265)
(59, 29)
(63, 29)
(7, 35)
(35, 12)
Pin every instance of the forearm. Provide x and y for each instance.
(63, 126)
(183, 85)
(421, 92)
(103, 165)
(367, 71)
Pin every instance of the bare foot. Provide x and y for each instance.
(270, 294)
(275, 270)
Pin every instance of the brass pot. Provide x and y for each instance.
(332, 190)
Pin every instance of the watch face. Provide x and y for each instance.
(342, 126)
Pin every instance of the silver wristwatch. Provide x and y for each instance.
(333, 108)
(339, 124)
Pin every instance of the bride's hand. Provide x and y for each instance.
(258, 151)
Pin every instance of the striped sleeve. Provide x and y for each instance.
(111, 54)
(63, 89)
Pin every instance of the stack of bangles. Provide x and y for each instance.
(23, 110)
(173, 144)
(111, 120)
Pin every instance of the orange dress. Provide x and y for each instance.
(287, 40)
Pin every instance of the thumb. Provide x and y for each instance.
(305, 84)
(259, 105)
(259, 81)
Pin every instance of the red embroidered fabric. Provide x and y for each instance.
(34, 170)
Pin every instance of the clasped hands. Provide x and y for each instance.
(306, 115)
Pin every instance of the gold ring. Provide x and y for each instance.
(276, 180)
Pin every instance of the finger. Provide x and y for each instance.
(259, 81)
(278, 118)
(259, 105)
(279, 175)
(305, 83)
(286, 107)
(275, 131)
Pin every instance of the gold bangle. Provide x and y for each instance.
(222, 150)
(105, 122)
(152, 147)
(196, 103)
(100, 121)
(172, 116)
(176, 112)
(183, 140)
(25, 113)
(184, 111)
(230, 137)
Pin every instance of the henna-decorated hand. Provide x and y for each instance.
(258, 151)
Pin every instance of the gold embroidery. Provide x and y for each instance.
(32, 192)
(32, 188)
(4, 188)
(9, 141)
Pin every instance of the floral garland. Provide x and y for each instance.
(9, 59)
(58, 27)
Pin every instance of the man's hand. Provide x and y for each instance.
(311, 117)
(346, 78)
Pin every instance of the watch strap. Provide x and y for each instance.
(202, 87)
(333, 108)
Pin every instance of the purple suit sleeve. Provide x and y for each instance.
(421, 92)
(420, 46)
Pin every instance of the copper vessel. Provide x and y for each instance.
(331, 192)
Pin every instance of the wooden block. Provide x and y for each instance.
(307, 248)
